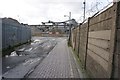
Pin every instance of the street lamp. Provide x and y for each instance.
(70, 25)
(68, 16)
(84, 3)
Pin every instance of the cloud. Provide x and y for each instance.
(37, 11)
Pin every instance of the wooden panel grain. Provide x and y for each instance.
(99, 51)
(98, 42)
(98, 59)
(104, 34)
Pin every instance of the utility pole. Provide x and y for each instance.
(69, 15)
(18, 18)
(84, 9)
(70, 26)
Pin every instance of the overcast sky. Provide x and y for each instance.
(37, 11)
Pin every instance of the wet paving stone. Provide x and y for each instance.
(58, 64)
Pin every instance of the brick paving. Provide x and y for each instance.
(59, 63)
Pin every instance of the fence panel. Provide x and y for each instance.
(96, 50)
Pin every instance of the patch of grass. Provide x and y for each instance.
(78, 59)
(69, 43)
(81, 67)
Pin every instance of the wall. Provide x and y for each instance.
(0, 37)
(118, 41)
(14, 33)
(96, 43)
(100, 44)
(116, 70)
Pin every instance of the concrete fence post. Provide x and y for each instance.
(116, 51)
(75, 36)
(79, 40)
(87, 43)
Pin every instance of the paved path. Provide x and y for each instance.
(60, 63)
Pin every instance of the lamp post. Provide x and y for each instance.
(68, 16)
(84, 3)
(70, 25)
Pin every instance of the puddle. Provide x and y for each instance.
(53, 39)
(8, 67)
(21, 50)
(37, 41)
(31, 61)
(21, 55)
(6, 56)
(29, 49)
(48, 46)
(13, 53)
